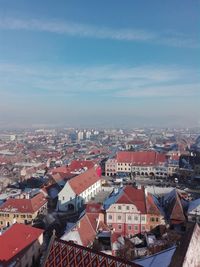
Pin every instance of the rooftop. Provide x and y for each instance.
(16, 239)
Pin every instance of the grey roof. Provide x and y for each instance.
(162, 258)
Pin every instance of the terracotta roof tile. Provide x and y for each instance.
(145, 158)
(23, 205)
(83, 181)
(134, 196)
(16, 239)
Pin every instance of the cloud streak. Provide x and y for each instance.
(112, 81)
(98, 32)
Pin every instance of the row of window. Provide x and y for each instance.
(125, 169)
(136, 218)
(16, 215)
(131, 227)
(119, 217)
(126, 164)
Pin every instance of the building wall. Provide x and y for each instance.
(154, 220)
(8, 218)
(91, 191)
(111, 167)
(67, 197)
(172, 169)
(127, 219)
(142, 170)
(31, 254)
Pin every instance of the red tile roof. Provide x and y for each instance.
(23, 205)
(79, 164)
(141, 158)
(17, 238)
(93, 207)
(75, 165)
(81, 182)
(66, 172)
(87, 228)
(134, 196)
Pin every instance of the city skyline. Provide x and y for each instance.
(99, 64)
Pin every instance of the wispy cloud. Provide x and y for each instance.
(173, 90)
(91, 31)
(108, 80)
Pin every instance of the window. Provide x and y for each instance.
(119, 207)
(142, 218)
(129, 227)
(63, 198)
(110, 217)
(157, 219)
(135, 217)
(143, 228)
(127, 207)
(194, 219)
(119, 226)
(152, 219)
(136, 228)
(129, 218)
(119, 217)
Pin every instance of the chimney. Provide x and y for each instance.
(139, 186)
(145, 191)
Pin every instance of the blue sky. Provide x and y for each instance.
(99, 63)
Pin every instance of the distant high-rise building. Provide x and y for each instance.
(88, 135)
(80, 136)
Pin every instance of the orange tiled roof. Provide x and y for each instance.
(83, 181)
(23, 205)
(141, 158)
(16, 239)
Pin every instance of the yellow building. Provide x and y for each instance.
(22, 210)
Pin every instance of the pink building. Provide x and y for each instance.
(131, 211)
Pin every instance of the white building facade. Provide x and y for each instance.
(79, 190)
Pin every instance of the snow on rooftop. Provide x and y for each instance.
(194, 206)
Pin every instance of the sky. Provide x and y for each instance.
(106, 63)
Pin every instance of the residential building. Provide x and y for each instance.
(79, 190)
(85, 230)
(111, 167)
(22, 210)
(130, 211)
(142, 163)
(20, 246)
